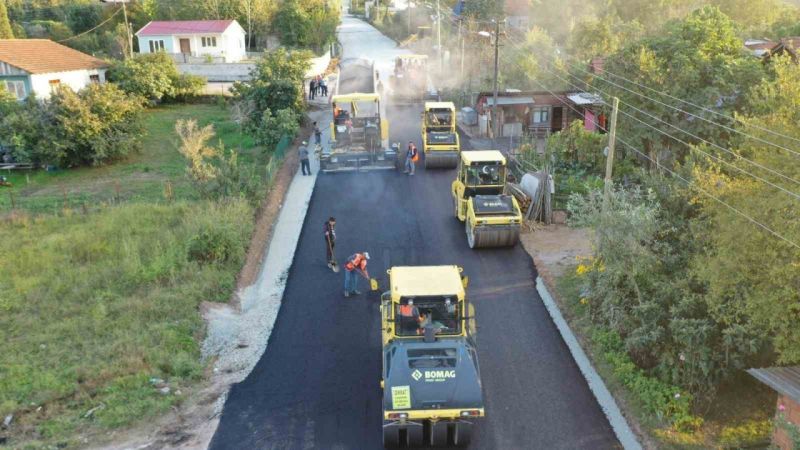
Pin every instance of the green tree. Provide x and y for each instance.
(274, 127)
(308, 24)
(5, 24)
(154, 76)
(754, 276)
(698, 58)
(276, 84)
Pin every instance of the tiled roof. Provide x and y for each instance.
(162, 28)
(785, 380)
(45, 56)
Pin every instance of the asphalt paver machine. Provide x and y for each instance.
(491, 217)
(432, 392)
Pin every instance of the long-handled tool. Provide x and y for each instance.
(373, 284)
(332, 263)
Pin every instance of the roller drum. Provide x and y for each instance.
(487, 236)
(441, 160)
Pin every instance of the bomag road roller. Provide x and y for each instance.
(491, 217)
(432, 392)
(439, 136)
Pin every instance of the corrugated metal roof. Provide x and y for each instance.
(510, 101)
(170, 27)
(45, 56)
(584, 98)
(785, 380)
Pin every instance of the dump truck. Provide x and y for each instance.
(432, 392)
(440, 141)
(491, 217)
(359, 129)
(409, 80)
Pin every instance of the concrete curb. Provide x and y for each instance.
(607, 403)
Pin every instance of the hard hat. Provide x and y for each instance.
(305, 143)
(411, 301)
(366, 255)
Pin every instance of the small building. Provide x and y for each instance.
(223, 39)
(786, 382)
(766, 48)
(539, 114)
(41, 66)
(518, 14)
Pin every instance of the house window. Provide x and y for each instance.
(54, 85)
(17, 89)
(540, 116)
(94, 78)
(156, 46)
(208, 41)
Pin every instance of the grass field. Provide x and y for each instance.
(97, 306)
(141, 177)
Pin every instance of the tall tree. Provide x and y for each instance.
(5, 24)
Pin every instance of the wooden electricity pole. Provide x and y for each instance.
(612, 141)
(495, 122)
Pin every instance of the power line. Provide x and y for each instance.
(92, 29)
(659, 166)
(732, 118)
(791, 193)
(763, 141)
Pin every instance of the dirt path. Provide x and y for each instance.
(555, 247)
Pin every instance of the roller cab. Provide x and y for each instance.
(491, 217)
(439, 136)
(432, 392)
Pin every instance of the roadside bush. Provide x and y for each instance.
(155, 77)
(277, 84)
(95, 126)
(275, 127)
(215, 244)
(666, 402)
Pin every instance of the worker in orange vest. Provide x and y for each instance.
(409, 316)
(412, 156)
(355, 263)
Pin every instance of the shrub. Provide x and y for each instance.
(275, 127)
(213, 244)
(95, 126)
(748, 434)
(154, 76)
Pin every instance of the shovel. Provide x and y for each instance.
(332, 264)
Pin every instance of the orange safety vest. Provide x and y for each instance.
(356, 260)
(406, 310)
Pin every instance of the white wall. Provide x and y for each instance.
(76, 79)
(230, 44)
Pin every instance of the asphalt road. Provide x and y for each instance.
(317, 385)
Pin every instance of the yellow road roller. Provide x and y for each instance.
(439, 136)
(432, 393)
(491, 217)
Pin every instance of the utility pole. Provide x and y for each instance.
(496, 71)
(408, 13)
(612, 140)
(439, 37)
(461, 38)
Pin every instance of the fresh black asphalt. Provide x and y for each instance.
(317, 384)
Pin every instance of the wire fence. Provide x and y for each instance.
(26, 196)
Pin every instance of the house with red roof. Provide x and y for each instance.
(41, 67)
(199, 38)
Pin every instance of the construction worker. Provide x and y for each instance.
(317, 134)
(412, 156)
(409, 316)
(357, 262)
(330, 240)
(305, 166)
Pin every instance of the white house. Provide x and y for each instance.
(42, 66)
(218, 38)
